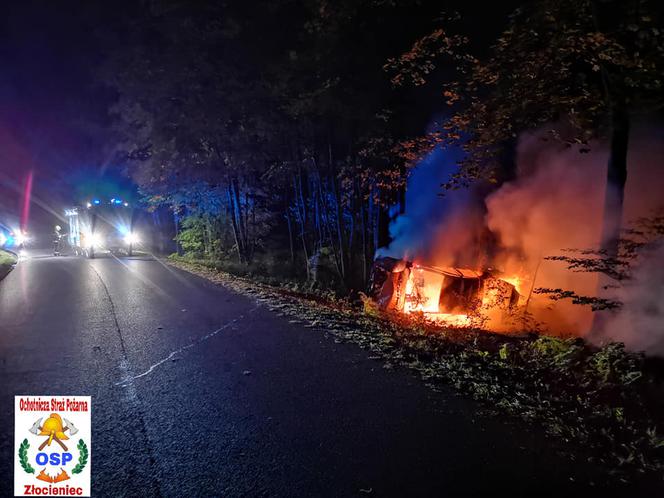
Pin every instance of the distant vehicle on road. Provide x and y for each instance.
(12, 239)
(102, 226)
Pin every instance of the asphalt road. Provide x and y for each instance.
(198, 391)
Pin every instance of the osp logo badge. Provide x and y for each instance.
(52, 445)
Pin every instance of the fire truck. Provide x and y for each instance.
(102, 226)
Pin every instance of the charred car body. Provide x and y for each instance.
(401, 285)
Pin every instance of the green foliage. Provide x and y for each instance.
(23, 457)
(82, 457)
(7, 262)
(557, 59)
(270, 146)
(554, 348)
(192, 236)
(6, 259)
(612, 364)
(270, 268)
(369, 306)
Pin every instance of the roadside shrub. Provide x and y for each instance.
(192, 236)
(554, 352)
(613, 365)
(369, 305)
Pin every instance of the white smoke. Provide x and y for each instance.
(639, 323)
(555, 203)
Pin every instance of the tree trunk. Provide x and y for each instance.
(340, 226)
(616, 176)
(176, 222)
(326, 223)
(338, 212)
(241, 221)
(301, 218)
(207, 240)
(291, 242)
(383, 238)
(363, 227)
(236, 234)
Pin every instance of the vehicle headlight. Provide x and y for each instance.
(131, 238)
(21, 238)
(93, 240)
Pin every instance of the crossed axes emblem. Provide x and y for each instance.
(53, 428)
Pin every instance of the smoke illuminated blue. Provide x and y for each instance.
(417, 231)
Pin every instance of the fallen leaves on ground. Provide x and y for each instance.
(606, 401)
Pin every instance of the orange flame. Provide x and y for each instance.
(423, 291)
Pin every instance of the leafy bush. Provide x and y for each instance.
(557, 353)
(6, 262)
(613, 365)
(192, 237)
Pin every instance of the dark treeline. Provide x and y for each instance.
(267, 127)
(280, 133)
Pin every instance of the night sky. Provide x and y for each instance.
(53, 110)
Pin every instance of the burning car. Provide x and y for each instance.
(445, 294)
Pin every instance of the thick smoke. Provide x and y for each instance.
(639, 322)
(555, 203)
(439, 230)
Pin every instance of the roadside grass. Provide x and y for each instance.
(269, 270)
(7, 261)
(604, 400)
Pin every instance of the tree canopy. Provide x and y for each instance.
(276, 117)
(290, 124)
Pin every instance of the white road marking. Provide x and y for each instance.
(129, 380)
